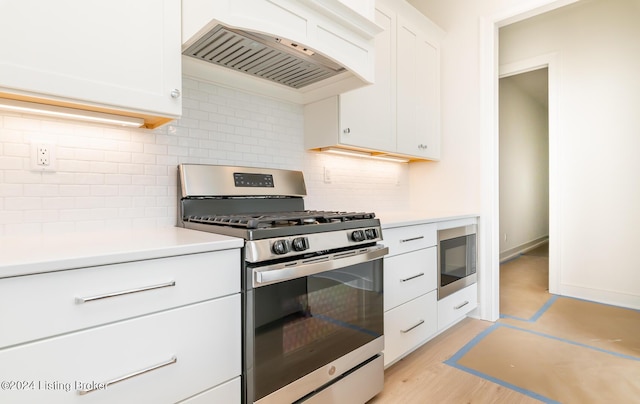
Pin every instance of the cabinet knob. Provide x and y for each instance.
(175, 93)
(347, 131)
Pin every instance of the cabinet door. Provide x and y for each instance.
(409, 325)
(410, 238)
(228, 393)
(118, 54)
(159, 358)
(418, 93)
(59, 302)
(407, 276)
(367, 115)
(454, 307)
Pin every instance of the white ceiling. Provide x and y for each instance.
(535, 83)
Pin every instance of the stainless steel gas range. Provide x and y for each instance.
(311, 284)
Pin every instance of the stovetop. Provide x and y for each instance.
(281, 224)
(279, 219)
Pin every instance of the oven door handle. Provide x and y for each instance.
(285, 271)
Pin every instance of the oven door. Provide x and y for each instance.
(308, 315)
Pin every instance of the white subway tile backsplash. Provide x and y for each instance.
(22, 203)
(15, 149)
(90, 202)
(115, 178)
(75, 190)
(104, 190)
(11, 163)
(104, 167)
(88, 178)
(11, 189)
(38, 190)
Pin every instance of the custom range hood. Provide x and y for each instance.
(296, 50)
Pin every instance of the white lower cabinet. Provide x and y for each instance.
(64, 301)
(228, 392)
(159, 358)
(159, 330)
(410, 289)
(412, 312)
(408, 326)
(454, 307)
(409, 276)
(410, 238)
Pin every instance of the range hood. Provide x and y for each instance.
(296, 50)
(270, 58)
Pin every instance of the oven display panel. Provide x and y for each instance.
(247, 180)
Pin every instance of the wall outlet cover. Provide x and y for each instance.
(43, 156)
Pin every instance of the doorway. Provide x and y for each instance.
(523, 161)
(524, 192)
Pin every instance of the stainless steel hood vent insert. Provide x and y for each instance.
(262, 56)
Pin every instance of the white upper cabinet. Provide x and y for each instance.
(364, 7)
(353, 112)
(359, 106)
(399, 115)
(418, 96)
(117, 56)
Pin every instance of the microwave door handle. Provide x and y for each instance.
(267, 275)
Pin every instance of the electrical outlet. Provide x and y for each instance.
(327, 175)
(43, 157)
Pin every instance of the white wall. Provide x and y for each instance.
(454, 182)
(599, 99)
(598, 43)
(524, 167)
(111, 178)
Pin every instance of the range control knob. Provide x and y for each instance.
(300, 243)
(371, 234)
(280, 247)
(358, 235)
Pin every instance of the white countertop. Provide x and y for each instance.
(390, 220)
(36, 254)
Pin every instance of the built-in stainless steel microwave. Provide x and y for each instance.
(456, 259)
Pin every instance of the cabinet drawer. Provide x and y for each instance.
(409, 325)
(227, 393)
(47, 304)
(409, 238)
(407, 276)
(203, 339)
(454, 307)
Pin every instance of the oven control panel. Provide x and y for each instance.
(267, 249)
(253, 180)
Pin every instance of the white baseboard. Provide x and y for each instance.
(610, 297)
(522, 248)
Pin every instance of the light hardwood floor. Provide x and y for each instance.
(422, 377)
(577, 351)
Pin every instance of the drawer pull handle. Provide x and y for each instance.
(80, 300)
(412, 239)
(102, 386)
(412, 277)
(411, 328)
(461, 305)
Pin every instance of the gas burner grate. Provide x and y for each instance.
(283, 219)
